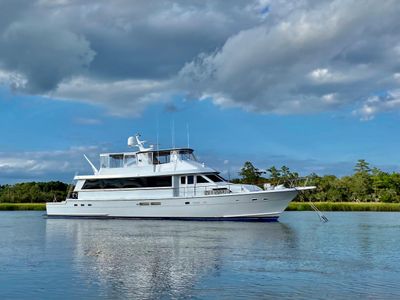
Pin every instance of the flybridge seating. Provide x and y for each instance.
(147, 157)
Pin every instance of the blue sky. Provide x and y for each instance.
(314, 86)
(326, 143)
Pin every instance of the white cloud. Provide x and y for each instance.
(330, 98)
(45, 165)
(326, 76)
(276, 66)
(124, 97)
(320, 74)
(378, 104)
(15, 80)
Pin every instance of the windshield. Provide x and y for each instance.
(215, 178)
(187, 155)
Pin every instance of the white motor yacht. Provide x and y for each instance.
(167, 184)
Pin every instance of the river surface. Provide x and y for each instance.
(353, 255)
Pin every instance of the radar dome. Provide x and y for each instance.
(132, 141)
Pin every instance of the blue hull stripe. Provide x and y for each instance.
(240, 219)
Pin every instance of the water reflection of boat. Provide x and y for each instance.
(146, 259)
(143, 260)
(168, 183)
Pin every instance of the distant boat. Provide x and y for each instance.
(167, 184)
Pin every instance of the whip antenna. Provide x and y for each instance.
(187, 133)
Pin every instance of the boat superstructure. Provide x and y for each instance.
(169, 183)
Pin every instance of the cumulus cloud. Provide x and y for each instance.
(122, 97)
(45, 165)
(376, 104)
(43, 54)
(270, 56)
(334, 50)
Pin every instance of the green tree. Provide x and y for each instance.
(361, 184)
(250, 174)
(274, 175)
(288, 178)
(362, 167)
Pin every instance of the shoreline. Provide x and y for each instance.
(345, 206)
(293, 206)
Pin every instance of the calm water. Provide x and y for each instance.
(355, 254)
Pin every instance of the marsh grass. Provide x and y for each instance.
(345, 206)
(22, 206)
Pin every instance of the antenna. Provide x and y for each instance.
(173, 133)
(158, 121)
(158, 146)
(187, 133)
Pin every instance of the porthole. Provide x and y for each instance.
(82, 204)
(89, 205)
(75, 204)
(187, 202)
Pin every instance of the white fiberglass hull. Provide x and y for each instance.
(261, 205)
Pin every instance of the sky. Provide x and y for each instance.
(313, 85)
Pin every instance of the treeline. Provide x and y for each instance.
(366, 184)
(33, 192)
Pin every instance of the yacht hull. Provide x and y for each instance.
(250, 206)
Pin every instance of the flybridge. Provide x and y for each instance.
(154, 157)
(145, 156)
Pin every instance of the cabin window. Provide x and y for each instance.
(116, 161)
(214, 178)
(161, 157)
(183, 179)
(103, 161)
(201, 179)
(190, 179)
(130, 160)
(128, 183)
(150, 157)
